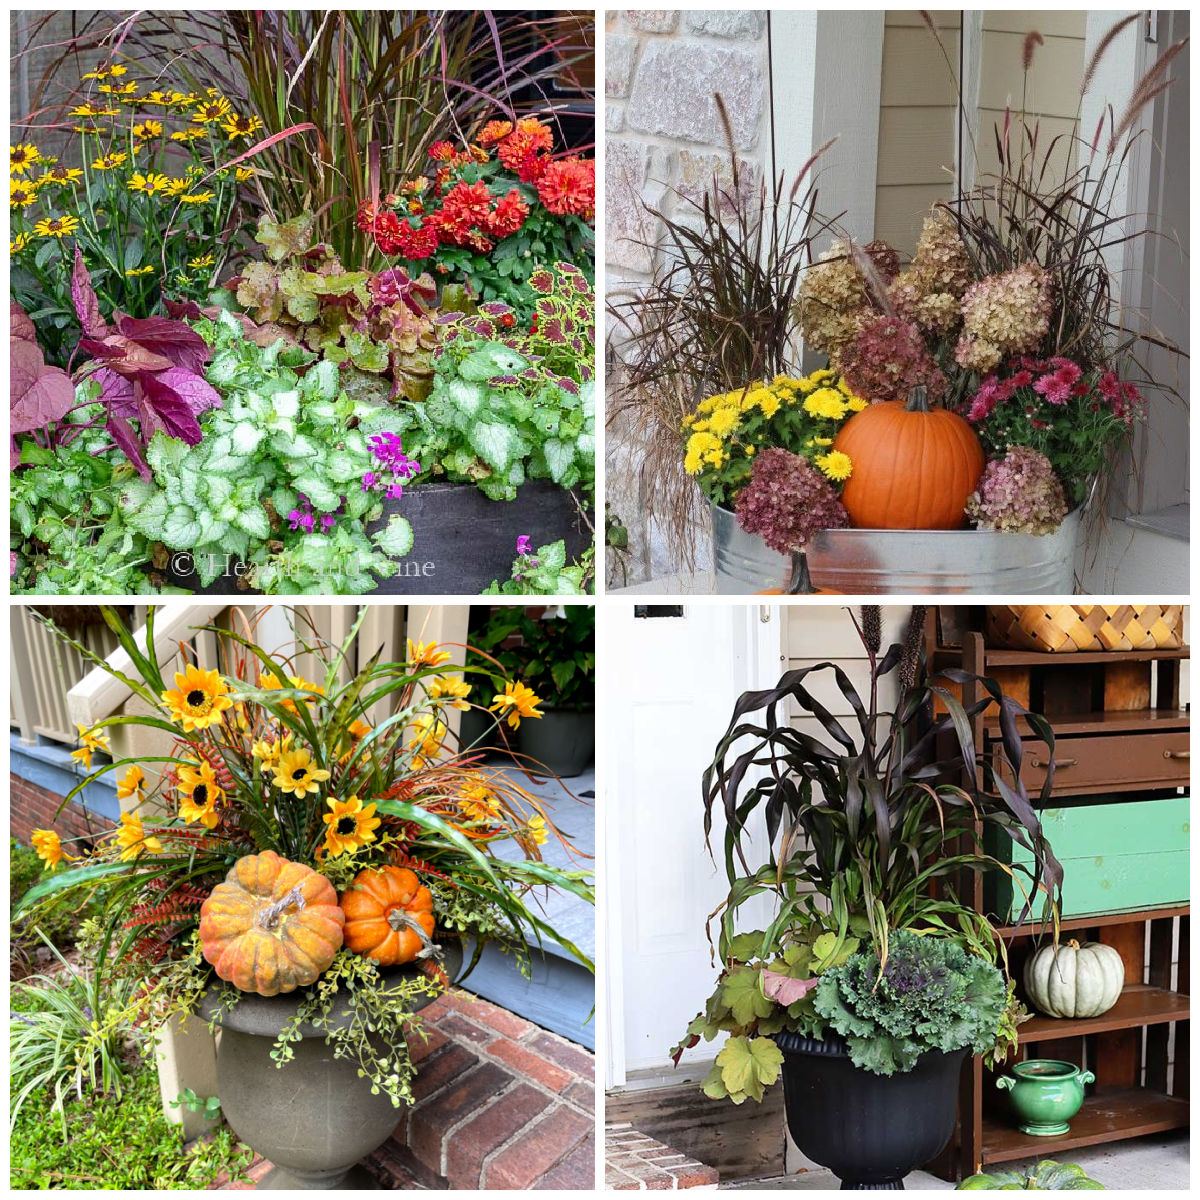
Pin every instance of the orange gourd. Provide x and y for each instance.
(384, 908)
(272, 926)
(913, 467)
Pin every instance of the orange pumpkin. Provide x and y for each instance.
(914, 467)
(384, 909)
(272, 926)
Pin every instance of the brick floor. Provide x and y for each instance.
(500, 1104)
(634, 1162)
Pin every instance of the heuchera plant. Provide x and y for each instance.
(278, 481)
(510, 403)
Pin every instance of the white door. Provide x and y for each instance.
(669, 685)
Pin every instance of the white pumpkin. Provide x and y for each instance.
(1074, 980)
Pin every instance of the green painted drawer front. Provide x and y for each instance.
(1114, 856)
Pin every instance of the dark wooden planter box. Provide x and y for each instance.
(462, 540)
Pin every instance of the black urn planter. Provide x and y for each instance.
(462, 541)
(564, 742)
(869, 1130)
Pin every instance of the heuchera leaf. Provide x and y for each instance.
(87, 306)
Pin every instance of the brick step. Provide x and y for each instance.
(635, 1162)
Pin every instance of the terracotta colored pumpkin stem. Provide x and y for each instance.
(918, 399)
(269, 917)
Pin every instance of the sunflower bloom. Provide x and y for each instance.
(56, 226)
(199, 794)
(271, 683)
(130, 785)
(132, 839)
(515, 702)
(295, 774)
(110, 162)
(198, 700)
(349, 826)
(451, 689)
(21, 194)
(271, 751)
(426, 654)
(48, 847)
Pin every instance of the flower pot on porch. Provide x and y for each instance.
(902, 561)
(313, 1118)
(869, 1130)
(563, 742)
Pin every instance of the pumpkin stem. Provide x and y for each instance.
(801, 583)
(398, 919)
(918, 399)
(268, 918)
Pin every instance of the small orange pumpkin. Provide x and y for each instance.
(384, 909)
(272, 926)
(914, 467)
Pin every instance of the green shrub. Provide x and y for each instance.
(59, 922)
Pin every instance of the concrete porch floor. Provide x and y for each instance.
(1151, 1164)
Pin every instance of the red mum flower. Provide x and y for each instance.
(569, 187)
(443, 152)
(519, 153)
(509, 215)
(466, 208)
(417, 243)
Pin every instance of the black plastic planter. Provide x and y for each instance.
(563, 742)
(462, 540)
(869, 1130)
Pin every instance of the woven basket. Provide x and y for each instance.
(1070, 628)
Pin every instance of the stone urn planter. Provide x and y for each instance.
(869, 1130)
(312, 1118)
(462, 540)
(868, 562)
(563, 742)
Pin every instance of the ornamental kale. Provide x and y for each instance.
(277, 481)
(510, 404)
(930, 995)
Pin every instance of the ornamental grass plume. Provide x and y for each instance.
(787, 501)
(1004, 315)
(1019, 493)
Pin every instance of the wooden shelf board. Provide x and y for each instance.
(1027, 658)
(1105, 1117)
(1094, 920)
(1137, 1005)
(1132, 721)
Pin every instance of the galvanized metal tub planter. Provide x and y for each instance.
(871, 562)
(462, 541)
(313, 1118)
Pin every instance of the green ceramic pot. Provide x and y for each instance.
(1045, 1094)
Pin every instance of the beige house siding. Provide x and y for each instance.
(917, 120)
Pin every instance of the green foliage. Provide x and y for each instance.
(929, 995)
(117, 1143)
(278, 437)
(546, 572)
(210, 1106)
(743, 1068)
(55, 923)
(1046, 1176)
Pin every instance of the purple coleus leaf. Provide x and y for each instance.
(783, 989)
(127, 439)
(171, 401)
(87, 307)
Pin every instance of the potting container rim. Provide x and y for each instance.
(1045, 1068)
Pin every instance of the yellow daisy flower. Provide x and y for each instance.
(60, 175)
(112, 71)
(148, 130)
(21, 157)
(428, 734)
(132, 839)
(118, 89)
(18, 243)
(295, 774)
(199, 794)
(196, 198)
(241, 127)
(92, 108)
(349, 826)
(48, 847)
(21, 194)
(244, 174)
(176, 187)
(130, 784)
(110, 162)
(190, 134)
(835, 465)
(151, 184)
(426, 654)
(516, 701)
(198, 700)
(134, 272)
(449, 688)
(211, 110)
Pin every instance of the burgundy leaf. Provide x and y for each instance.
(87, 307)
(783, 989)
(174, 414)
(38, 394)
(116, 392)
(179, 309)
(124, 355)
(19, 324)
(125, 437)
(191, 388)
(172, 340)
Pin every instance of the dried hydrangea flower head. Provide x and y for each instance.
(787, 501)
(833, 293)
(1004, 315)
(888, 359)
(1019, 493)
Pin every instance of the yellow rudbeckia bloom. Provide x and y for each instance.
(515, 702)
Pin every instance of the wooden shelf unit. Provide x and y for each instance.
(1141, 1088)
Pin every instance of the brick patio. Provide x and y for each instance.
(635, 1162)
(500, 1103)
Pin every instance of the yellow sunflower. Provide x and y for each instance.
(295, 774)
(199, 794)
(211, 110)
(151, 184)
(47, 846)
(130, 784)
(270, 751)
(426, 654)
(21, 194)
(450, 689)
(148, 130)
(132, 839)
(21, 157)
(515, 702)
(349, 826)
(198, 700)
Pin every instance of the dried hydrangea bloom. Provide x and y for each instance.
(1019, 493)
(832, 295)
(884, 259)
(937, 313)
(1004, 315)
(888, 359)
(941, 262)
(787, 501)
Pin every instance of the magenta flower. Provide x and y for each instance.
(523, 544)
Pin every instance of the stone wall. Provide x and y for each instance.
(664, 141)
